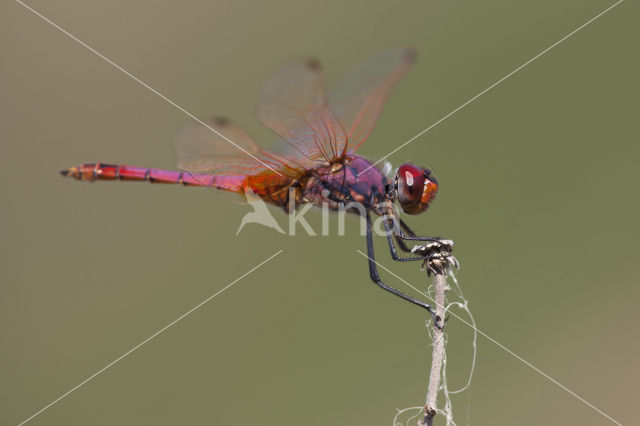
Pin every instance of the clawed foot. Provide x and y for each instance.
(437, 320)
(437, 259)
(437, 255)
(432, 247)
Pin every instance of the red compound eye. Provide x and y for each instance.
(410, 184)
(415, 188)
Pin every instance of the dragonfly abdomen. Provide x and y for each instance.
(102, 171)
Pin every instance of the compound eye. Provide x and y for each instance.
(410, 184)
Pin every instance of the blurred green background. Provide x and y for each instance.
(539, 189)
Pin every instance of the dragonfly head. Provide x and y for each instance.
(414, 188)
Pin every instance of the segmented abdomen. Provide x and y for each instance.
(102, 171)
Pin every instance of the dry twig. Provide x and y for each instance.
(437, 261)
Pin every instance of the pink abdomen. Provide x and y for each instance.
(101, 171)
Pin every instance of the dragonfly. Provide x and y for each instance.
(315, 159)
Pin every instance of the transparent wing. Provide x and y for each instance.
(294, 105)
(200, 150)
(359, 97)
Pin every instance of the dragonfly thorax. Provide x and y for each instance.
(353, 180)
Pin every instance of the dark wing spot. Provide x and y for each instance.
(221, 121)
(313, 64)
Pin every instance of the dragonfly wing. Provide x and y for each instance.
(227, 150)
(359, 97)
(294, 105)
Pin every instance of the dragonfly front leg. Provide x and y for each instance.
(375, 277)
(403, 232)
(411, 236)
(406, 228)
(425, 250)
(401, 244)
(399, 241)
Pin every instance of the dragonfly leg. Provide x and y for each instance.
(406, 228)
(375, 277)
(401, 244)
(399, 241)
(403, 247)
(401, 234)
(405, 233)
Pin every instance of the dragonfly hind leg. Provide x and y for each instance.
(375, 277)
